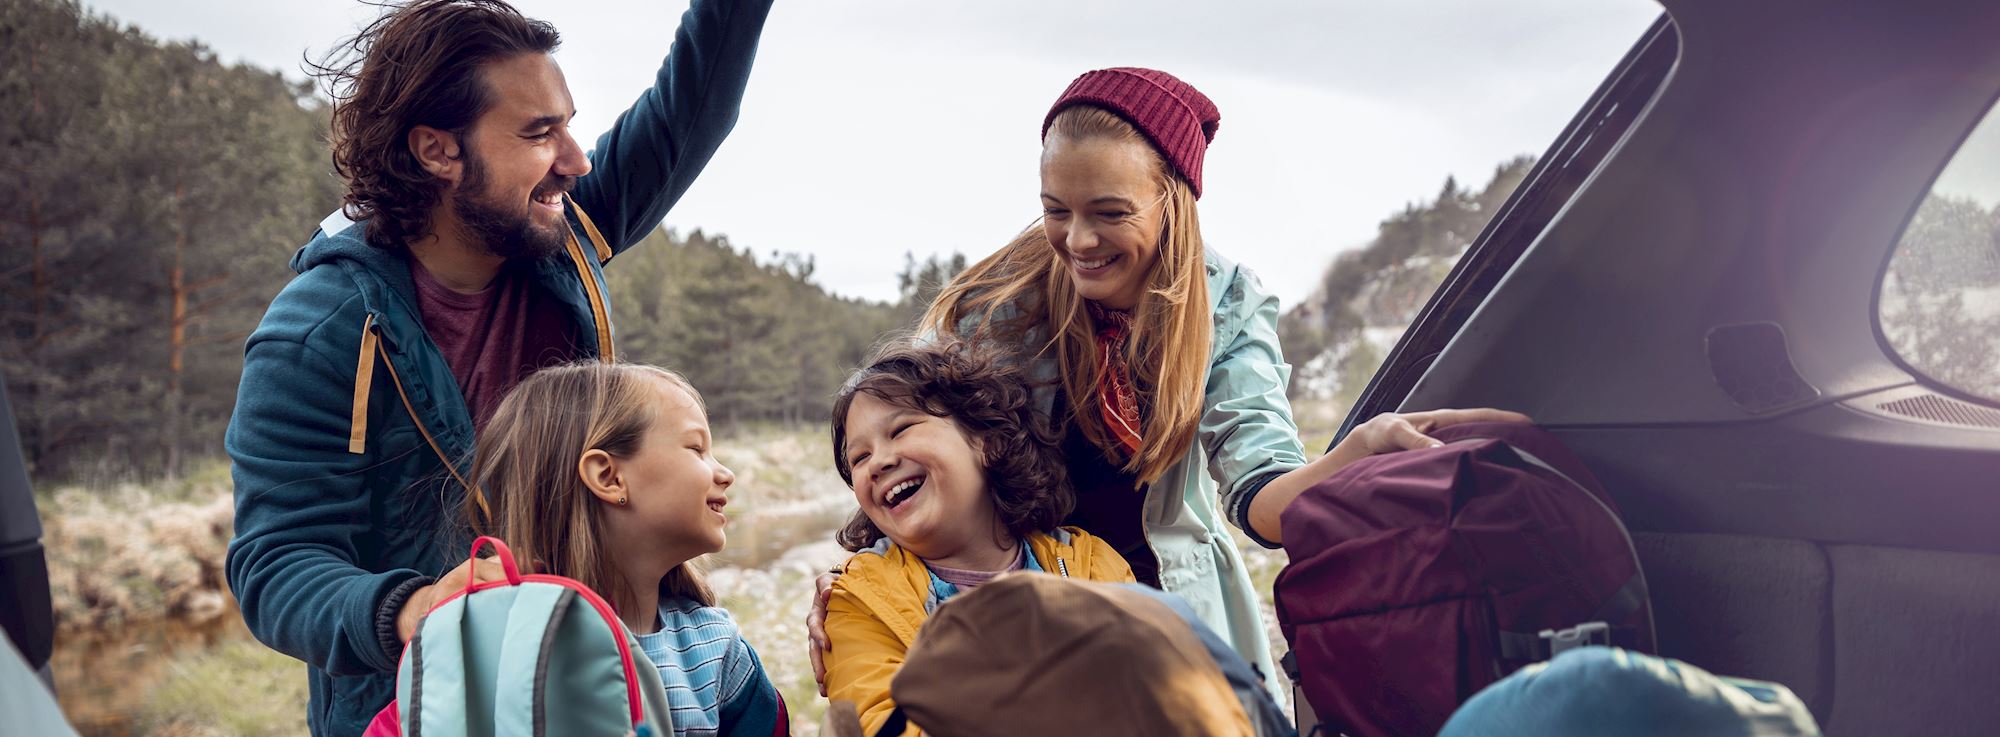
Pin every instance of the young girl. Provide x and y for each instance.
(957, 484)
(605, 473)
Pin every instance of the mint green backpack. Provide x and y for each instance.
(531, 656)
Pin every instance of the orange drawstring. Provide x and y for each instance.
(364, 379)
(590, 228)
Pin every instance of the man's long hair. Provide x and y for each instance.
(420, 63)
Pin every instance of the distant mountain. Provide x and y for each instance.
(1940, 302)
(1339, 335)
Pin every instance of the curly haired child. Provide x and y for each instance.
(957, 483)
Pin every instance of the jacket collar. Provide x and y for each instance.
(893, 583)
(389, 296)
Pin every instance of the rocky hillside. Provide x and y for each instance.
(1339, 335)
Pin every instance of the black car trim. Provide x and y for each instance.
(1549, 187)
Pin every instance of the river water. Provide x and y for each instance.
(104, 678)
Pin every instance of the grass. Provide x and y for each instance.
(239, 689)
(133, 553)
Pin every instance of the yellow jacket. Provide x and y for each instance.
(877, 605)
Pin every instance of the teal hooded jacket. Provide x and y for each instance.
(349, 428)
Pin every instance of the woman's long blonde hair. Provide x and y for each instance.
(1168, 346)
(526, 461)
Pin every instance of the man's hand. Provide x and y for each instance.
(420, 602)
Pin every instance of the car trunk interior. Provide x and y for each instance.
(1685, 290)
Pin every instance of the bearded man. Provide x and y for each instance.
(468, 253)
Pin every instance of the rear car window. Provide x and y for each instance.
(1940, 300)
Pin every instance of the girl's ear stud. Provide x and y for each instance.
(621, 501)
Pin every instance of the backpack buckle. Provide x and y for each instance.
(1582, 635)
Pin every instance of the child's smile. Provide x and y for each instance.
(901, 491)
(922, 482)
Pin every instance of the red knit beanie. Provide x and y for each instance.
(1177, 118)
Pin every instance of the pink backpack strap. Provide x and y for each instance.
(387, 723)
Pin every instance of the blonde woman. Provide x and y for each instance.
(1158, 356)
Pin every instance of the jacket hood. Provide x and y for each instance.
(337, 238)
(1225, 292)
(378, 272)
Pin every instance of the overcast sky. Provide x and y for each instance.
(878, 127)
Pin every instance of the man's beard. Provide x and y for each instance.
(507, 232)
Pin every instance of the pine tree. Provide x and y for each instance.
(157, 194)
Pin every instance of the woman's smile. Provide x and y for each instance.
(1101, 206)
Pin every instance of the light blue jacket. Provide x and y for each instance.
(1246, 436)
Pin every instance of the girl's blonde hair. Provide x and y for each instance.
(527, 457)
(1168, 346)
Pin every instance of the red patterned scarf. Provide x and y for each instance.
(1119, 400)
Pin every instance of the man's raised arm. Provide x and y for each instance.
(643, 165)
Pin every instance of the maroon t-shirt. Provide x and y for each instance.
(495, 338)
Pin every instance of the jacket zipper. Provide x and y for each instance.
(478, 497)
(1146, 536)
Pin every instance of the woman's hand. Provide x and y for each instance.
(1384, 433)
(1390, 432)
(816, 626)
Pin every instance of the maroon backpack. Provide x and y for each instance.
(1419, 577)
